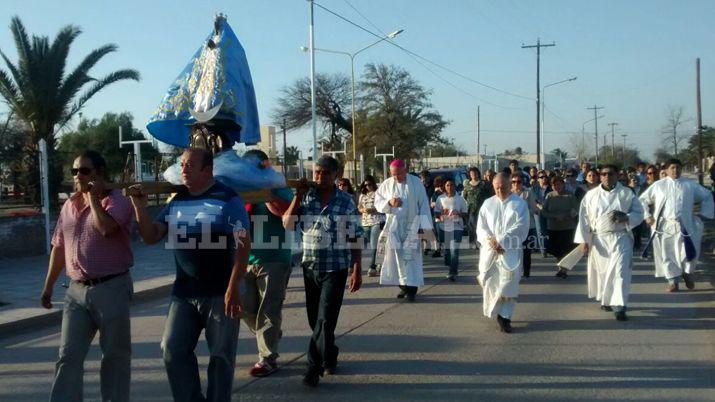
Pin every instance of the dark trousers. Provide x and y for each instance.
(529, 245)
(323, 299)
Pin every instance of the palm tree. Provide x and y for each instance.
(42, 96)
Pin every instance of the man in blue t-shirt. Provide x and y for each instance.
(207, 227)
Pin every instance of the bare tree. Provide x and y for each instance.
(333, 98)
(579, 146)
(672, 138)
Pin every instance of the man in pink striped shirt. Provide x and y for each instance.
(92, 240)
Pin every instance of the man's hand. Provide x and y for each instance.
(494, 244)
(97, 189)
(650, 221)
(355, 278)
(136, 194)
(46, 298)
(302, 189)
(395, 202)
(584, 248)
(232, 302)
(618, 216)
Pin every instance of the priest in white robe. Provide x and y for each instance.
(677, 231)
(502, 227)
(607, 215)
(404, 200)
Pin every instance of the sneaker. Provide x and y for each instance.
(372, 272)
(621, 316)
(689, 282)
(311, 378)
(263, 368)
(672, 287)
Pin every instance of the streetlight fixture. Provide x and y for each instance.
(352, 82)
(543, 110)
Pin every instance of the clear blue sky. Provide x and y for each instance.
(634, 58)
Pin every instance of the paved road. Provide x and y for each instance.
(441, 348)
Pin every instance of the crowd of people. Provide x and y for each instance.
(229, 266)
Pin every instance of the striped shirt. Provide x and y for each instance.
(89, 254)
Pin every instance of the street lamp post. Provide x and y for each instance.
(543, 109)
(583, 135)
(352, 83)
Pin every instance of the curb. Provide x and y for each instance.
(51, 318)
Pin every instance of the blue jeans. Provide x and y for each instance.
(372, 233)
(452, 242)
(187, 317)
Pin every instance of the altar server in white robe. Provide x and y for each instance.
(404, 200)
(677, 231)
(606, 217)
(502, 227)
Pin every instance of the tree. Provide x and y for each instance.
(103, 136)
(690, 155)
(561, 154)
(623, 157)
(332, 100)
(579, 146)
(43, 97)
(397, 112)
(445, 149)
(672, 139)
(292, 155)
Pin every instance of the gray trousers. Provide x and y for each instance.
(88, 309)
(187, 318)
(264, 289)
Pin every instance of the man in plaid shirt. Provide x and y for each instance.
(328, 220)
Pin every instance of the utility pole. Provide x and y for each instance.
(538, 47)
(613, 140)
(595, 119)
(313, 117)
(479, 158)
(285, 162)
(624, 149)
(699, 122)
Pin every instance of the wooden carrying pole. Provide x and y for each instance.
(164, 187)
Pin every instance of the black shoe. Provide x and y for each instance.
(330, 369)
(436, 254)
(504, 324)
(311, 378)
(451, 277)
(402, 294)
(621, 316)
(689, 282)
(606, 308)
(410, 297)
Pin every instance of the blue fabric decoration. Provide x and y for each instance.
(215, 85)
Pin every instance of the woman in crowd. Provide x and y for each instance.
(517, 187)
(439, 232)
(474, 192)
(372, 220)
(561, 212)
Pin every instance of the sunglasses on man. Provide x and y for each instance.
(84, 170)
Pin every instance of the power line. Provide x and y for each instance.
(422, 57)
(440, 77)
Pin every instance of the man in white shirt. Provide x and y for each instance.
(502, 227)
(677, 231)
(606, 217)
(451, 208)
(403, 199)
